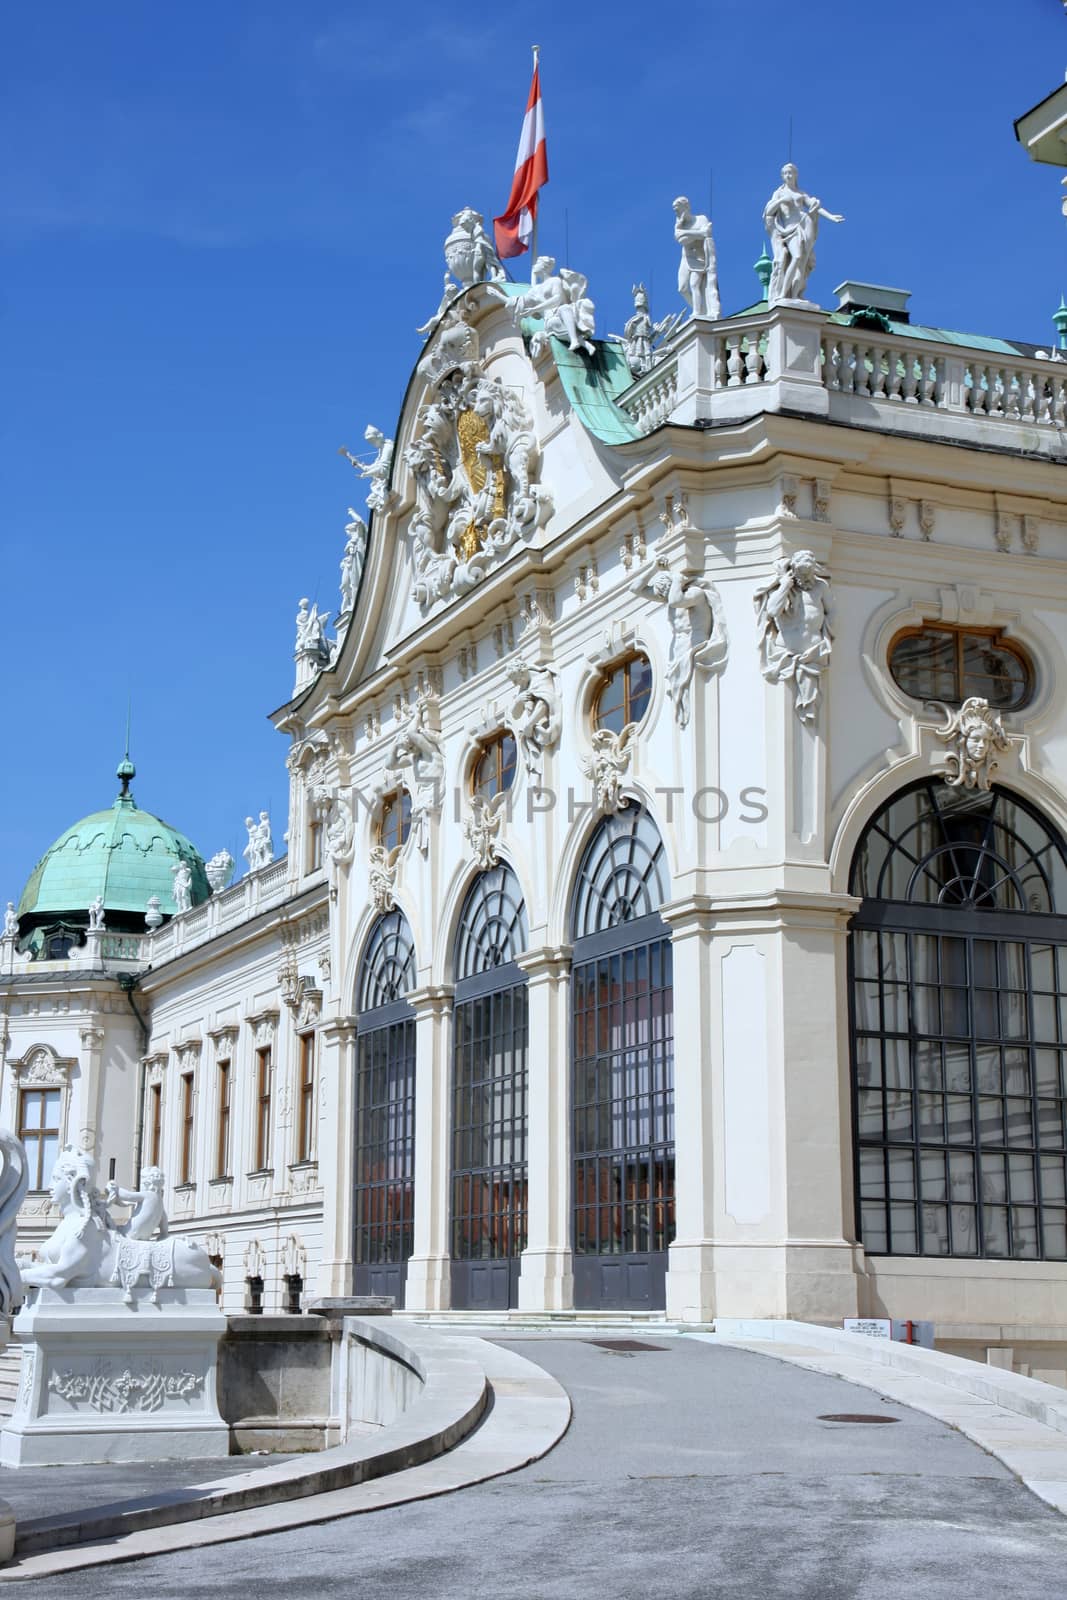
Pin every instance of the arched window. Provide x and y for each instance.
(958, 958)
(394, 823)
(384, 1159)
(494, 771)
(622, 1067)
(489, 1078)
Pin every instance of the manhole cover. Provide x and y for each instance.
(855, 1416)
(625, 1344)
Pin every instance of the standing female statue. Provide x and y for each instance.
(791, 217)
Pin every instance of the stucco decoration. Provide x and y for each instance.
(41, 1068)
(791, 217)
(416, 756)
(976, 734)
(793, 615)
(378, 470)
(219, 870)
(335, 812)
(382, 873)
(475, 462)
(698, 279)
(608, 765)
(87, 1248)
(698, 628)
(482, 828)
(558, 300)
(536, 714)
(153, 915)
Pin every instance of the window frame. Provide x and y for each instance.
(623, 665)
(186, 1164)
(960, 633)
(396, 802)
(263, 1107)
(155, 1123)
(305, 1146)
(223, 1116)
(39, 1134)
(487, 785)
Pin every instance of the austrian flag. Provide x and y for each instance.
(514, 229)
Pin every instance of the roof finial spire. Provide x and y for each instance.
(126, 769)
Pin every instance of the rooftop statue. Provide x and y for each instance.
(378, 470)
(791, 217)
(183, 885)
(311, 632)
(471, 258)
(560, 301)
(96, 913)
(259, 851)
(698, 278)
(11, 921)
(640, 333)
(352, 561)
(90, 1250)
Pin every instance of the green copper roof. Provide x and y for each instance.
(592, 384)
(124, 854)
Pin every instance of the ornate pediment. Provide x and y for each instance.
(475, 462)
(41, 1068)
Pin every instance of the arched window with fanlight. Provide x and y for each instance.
(958, 963)
(489, 1082)
(622, 1067)
(384, 1153)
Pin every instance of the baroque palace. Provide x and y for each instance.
(675, 908)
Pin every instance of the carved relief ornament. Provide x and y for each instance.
(42, 1068)
(975, 733)
(475, 462)
(608, 765)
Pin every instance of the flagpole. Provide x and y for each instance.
(536, 48)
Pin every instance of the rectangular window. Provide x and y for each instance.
(306, 1142)
(155, 1123)
(186, 1165)
(39, 1132)
(222, 1139)
(263, 1088)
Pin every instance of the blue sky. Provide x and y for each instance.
(221, 224)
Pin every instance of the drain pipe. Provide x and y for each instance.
(128, 982)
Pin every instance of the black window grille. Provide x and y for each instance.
(958, 961)
(489, 1079)
(622, 1046)
(384, 1156)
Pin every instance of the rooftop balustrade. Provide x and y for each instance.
(797, 359)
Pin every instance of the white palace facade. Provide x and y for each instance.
(674, 915)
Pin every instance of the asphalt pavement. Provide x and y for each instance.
(690, 1472)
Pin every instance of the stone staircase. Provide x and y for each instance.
(10, 1369)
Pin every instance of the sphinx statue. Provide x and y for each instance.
(88, 1249)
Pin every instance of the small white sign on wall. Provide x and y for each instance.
(873, 1327)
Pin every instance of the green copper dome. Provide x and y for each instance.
(124, 855)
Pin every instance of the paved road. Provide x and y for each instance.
(693, 1473)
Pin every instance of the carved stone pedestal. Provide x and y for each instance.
(103, 1380)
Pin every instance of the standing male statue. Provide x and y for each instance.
(698, 278)
(791, 217)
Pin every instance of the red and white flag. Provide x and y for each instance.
(514, 229)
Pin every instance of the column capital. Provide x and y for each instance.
(431, 999)
(546, 962)
(339, 1030)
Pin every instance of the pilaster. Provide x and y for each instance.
(429, 1274)
(546, 1278)
(337, 1119)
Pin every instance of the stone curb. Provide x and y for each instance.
(1021, 1421)
(453, 1400)
(530, 1413)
